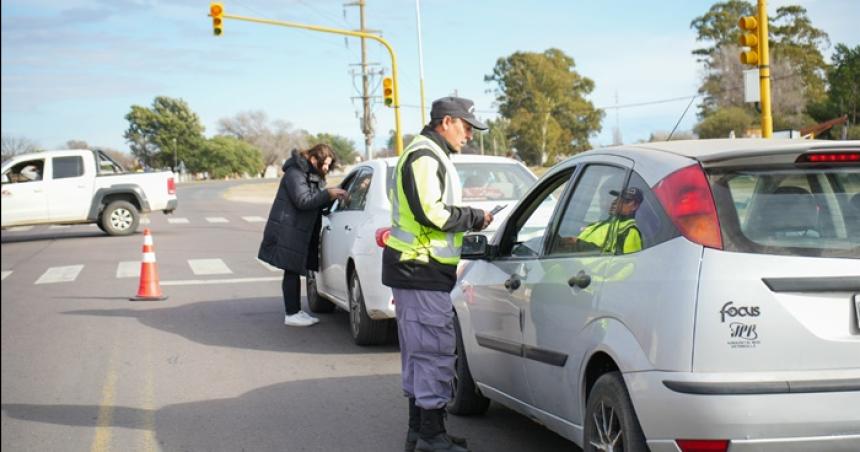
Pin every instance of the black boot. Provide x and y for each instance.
(432, 436)
(415, 426)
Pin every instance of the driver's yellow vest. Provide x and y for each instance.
(412, 239)
(605, 235)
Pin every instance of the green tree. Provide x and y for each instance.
(543, 97)
(224, 156)
(275, 139)
(724, 121)
(844, 81)
(343, 147)
(390, 147)
(169, 126)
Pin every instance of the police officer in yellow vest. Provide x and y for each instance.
(420, 264)
(617, 234)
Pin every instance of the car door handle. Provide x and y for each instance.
(327, 228)
(513, 283)
(581, 280)
(347, 227)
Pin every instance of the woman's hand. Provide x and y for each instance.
(336, 193)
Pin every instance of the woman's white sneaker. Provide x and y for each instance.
(298, 319)
(308, 316)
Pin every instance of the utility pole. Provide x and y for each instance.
(367, 117)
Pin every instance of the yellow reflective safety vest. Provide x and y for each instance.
(412, 239)
(605, 235)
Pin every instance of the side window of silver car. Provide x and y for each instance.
(526, 233)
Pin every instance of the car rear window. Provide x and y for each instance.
(789, 211)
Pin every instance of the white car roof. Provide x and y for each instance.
(705, 150)
(463, 158)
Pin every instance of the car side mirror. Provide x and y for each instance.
(475, 247)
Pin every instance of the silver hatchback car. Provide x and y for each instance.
(685, 296)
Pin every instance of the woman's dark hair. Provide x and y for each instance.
(321, 152)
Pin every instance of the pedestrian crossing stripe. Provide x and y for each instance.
(254, 219)
(128, 269)
(217, 220)
(60, 274)
(5, 274)
(269, 267)
(209, 267)
(178, 220)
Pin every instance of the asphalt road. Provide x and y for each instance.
(212, 368)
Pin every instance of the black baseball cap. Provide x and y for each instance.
(456, 107)
(631, 193)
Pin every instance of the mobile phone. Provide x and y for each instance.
(498, 208)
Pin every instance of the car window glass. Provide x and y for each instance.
(358, 191)
(65, 167)
(591, 222)
(525, 237)
(26, 171)
(794, 211)
(493, 181)
(338, 205)
(107, 165)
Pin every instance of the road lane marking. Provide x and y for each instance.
(197, 282)
(145, 220)
(271, 268)
(5, 274)
(178, 220)
(128, 269)
(217, 220)
(60, 274)
(209, 267)
(101, 441)
(20, 228)
(254, 219)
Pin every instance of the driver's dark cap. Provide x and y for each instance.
(631, 193)
(456, 107)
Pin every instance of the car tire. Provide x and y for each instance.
(467, 399)
(610, 421)
(365, 331)
(100, 225)
(120, 218)
(316, 303)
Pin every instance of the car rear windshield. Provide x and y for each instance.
(789, 211)
(487, 181)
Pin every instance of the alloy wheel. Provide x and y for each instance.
(607, 428)
(354, 305)
(121, 219)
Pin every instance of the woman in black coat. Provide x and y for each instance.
(291, 237)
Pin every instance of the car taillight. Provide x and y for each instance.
(703, 445)
(830, 158)
(171, 186)
(687, 198)
(382, 236)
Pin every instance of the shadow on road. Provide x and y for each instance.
(246, 323)
(354, 413)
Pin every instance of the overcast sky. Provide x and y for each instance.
(73, 69)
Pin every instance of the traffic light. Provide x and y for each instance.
(216, 10)
(749, 38)
(388, 91)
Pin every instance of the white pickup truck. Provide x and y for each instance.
(81, 186)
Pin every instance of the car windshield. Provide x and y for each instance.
(488, 181)
(793, 211)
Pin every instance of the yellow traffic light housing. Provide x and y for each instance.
(749, 38)
(388, 91)
(216, 10)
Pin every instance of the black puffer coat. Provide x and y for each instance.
(291, 237)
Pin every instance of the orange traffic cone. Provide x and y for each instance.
(149, 289)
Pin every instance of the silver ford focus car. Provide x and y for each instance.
(684, 296)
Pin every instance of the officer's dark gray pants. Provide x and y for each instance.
(425, 326)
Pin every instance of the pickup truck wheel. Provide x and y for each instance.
(120, 218)
(316, 303)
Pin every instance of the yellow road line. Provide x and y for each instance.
(101, 442)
